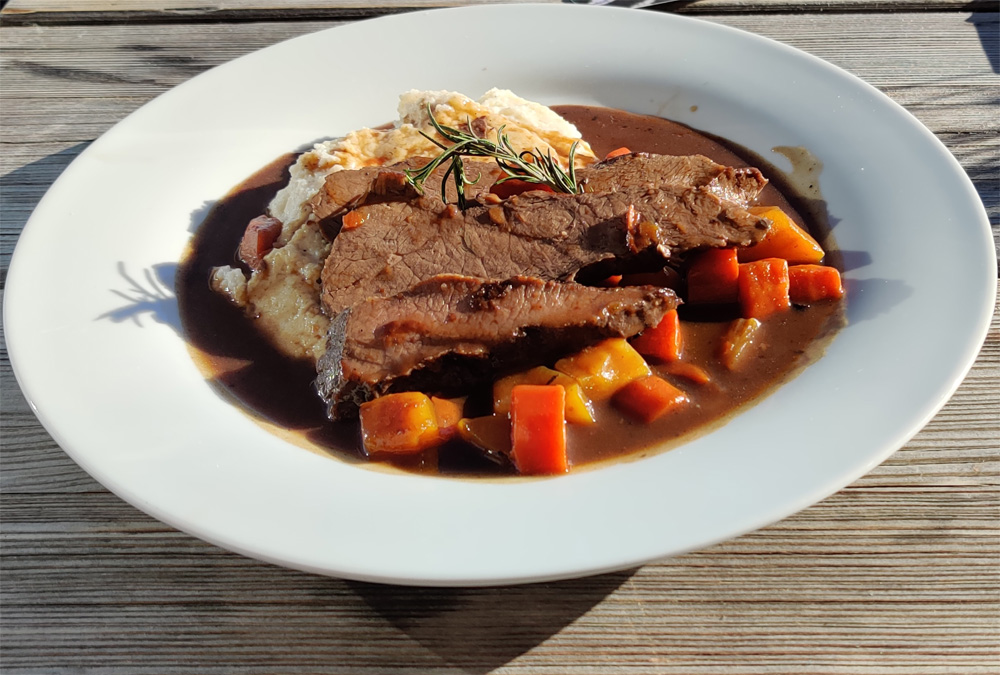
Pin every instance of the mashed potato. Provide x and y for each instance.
(284, 296)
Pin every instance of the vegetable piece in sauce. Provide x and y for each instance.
(538, 428)
(712, 277)
(449, 413)
(784, 239)
(664, 341)
(578, 407)
(814, 283)
(648, 399)
(739, 342)
(763, 288)
(604, 368)
(402, 423)
(491, 434)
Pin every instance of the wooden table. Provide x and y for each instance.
(898, 573)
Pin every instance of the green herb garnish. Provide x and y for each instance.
(530, 166)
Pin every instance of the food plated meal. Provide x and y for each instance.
(487, 294)
(138, 414)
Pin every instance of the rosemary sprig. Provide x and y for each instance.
(528, 165)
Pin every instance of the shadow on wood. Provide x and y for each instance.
(471, 629)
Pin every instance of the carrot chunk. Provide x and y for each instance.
(784, 240)
(538, 428)
(712, 277)
(648, 399)
(763, 286)
(578, 406)
(353, 220)
(812, 283)
(663, 341)
(689, 371)
(448, 412)
(618, 153)
(604, 368)
(400, 423)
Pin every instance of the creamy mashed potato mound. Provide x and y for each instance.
(284, 297)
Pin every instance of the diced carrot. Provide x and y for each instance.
(738, 342)
(538, 428)
(812, 283)
(578, 406)
(648, 399)
(399, 423)
(449, 412)
(354, 219)
(763, 288)
(516, 186)
(688, 371)
(618, 153)
(665, 278)
(611, 281)
(491, 434)
(663, 341)
(784, 240)
(712, 277)
(604, 368)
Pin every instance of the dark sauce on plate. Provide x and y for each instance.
(278, 391)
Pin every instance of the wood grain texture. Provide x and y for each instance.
(188, 11)
(896, 574)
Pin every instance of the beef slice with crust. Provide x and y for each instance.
(451, 332)
(548, 236)
(741, 186)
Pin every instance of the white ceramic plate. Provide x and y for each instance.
(126, 402)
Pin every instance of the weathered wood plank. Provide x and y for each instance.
(51, 12)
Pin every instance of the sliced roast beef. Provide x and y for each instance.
(536, 234)
(346, 190)
(450, 332)
(640, 169)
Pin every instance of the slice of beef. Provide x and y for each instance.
(741, 186)
(536, 234)
(346, 190)
(451, 332)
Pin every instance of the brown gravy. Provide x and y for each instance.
(279, 390)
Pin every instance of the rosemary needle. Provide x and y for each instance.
(530, 166)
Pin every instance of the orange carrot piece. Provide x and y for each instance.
(663, 341)
(712, 277)
(784, 240)
(812, 283)
(538, 428)
(689, 371)
(400, 423)
(618, 153)
(449, 412)
(353, 220)
(648, 399)
(611, 281)
(763, 288)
